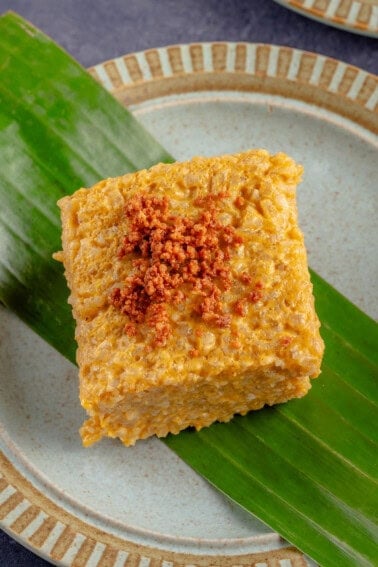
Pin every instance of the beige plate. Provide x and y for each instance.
(358, 16)
(111, 506)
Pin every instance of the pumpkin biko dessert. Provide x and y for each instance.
(191, 294)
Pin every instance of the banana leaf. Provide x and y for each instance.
(59, 130)
(306, 468)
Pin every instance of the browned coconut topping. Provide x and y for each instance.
(170, 251)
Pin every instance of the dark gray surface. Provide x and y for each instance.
(93, 31)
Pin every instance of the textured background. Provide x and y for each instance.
(95, 31)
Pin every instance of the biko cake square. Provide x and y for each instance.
(191, 294)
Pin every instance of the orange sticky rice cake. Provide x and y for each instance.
(191, 294)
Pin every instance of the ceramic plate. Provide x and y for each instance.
(358, 16)
(109, 506)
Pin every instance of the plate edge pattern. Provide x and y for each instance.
(261, 61)
(350, 15)
(54, 534)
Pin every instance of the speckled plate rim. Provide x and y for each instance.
(345, 90)
(25, 512)
(357, 16)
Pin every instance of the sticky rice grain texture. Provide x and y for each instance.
(204, 373)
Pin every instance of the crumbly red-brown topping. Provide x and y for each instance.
(239, 202)
(257, 294)
(173, 254)
(245, 278)
(240, 307)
